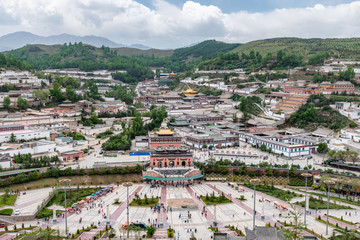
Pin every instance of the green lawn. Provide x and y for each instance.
(275, 192)
(6, 211)
(321, 204)
(241, 198)
(46, 212)
(72, 196)
(349, 201)
(148, 202)
(211, 200)
(342, 220)
(8, 199)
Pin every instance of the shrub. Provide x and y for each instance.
(150, 231)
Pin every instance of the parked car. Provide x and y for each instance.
(17, 211)
(2, 225)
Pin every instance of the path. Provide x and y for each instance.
(122, 207)
(89, 235)
(209, 216)
(238, 202)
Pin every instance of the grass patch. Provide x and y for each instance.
(145, 202)
(335, 198)
(17, 230)
(321, 204)
(214, 229)
(46, 212)
(324, 221)
(275, 192)
(116, 202)
(71, 196)
(342, 220)
(212, 199)
(241, 198)
(8, 199)
(235, 229)
(6, 211)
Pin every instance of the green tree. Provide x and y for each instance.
(295, 232)
(6, 102)
(22, 103)
(347, 74)
(323, 148)
(56, 93)
(42, 96)
(70, 94)
(12, 137)
(245, 118)
(158, 73)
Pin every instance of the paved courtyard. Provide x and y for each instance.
(238, 213)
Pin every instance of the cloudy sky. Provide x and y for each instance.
(177, 23)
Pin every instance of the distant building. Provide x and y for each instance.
(164, 137)
(72, 155)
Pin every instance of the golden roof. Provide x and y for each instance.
(165, 132)
(190, 91)
(172, 73)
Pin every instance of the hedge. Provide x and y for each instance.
(6, 211)
(56, 173)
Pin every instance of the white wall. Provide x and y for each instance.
(25, 135)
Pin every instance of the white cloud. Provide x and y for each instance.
(166, 25)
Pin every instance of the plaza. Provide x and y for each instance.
(182, 210)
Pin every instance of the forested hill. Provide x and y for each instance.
(205, 50)
(10, 62)
(337, 47)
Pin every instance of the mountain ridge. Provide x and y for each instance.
(22, 38)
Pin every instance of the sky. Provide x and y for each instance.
(176, 23)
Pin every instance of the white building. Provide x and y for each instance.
(289, 146)
(34, 148)
(25, 134)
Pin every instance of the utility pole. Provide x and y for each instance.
(65, 181)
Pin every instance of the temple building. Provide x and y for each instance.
(164, 137)
(171, 157)
(190, 92)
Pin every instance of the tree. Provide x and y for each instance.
(211, 162)
(323, 148)
(235, 118)
(263, 148)
(7, 102)
(22, 103)
(295, 232)
(157, 73)
(245, 118)
(12, 137)
(351, 156)
(70, 94)
(56, 93)
(347, 74)
(42, 96)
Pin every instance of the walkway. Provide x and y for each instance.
(122, 207)
(89, 235)
(209, 216)
(239, 203)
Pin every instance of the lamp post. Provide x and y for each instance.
(328, 183)
(254, 182)
(127, 185)
(306, 175)
(65, 181)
